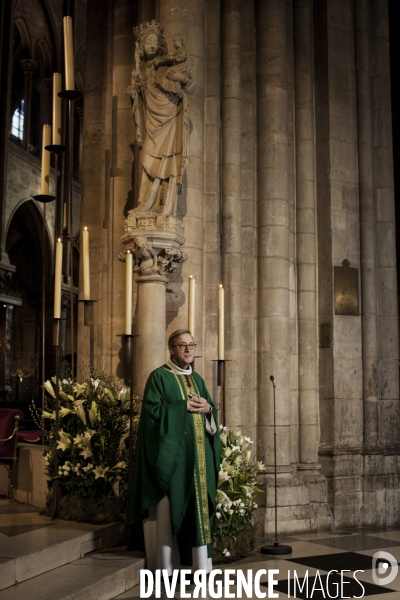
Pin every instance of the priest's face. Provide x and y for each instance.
(181, 354)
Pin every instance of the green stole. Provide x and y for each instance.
(175, 456)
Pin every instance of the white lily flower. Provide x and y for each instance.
(49, 388)
(81, 414)
(100, 472)
(48, 415)
(86, 453)
(226, 552)
(218, 515)
(65, 411)
(120, 465)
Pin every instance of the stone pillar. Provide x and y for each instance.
(150, 343)
(6, 57)
(28, 66)
(388, 367)
(212, 191)
(231, 159)
(306, 236)
(273, 230)
(44, 89)
(187, 17)
(93, 173)
(249, 230)
(368, 225)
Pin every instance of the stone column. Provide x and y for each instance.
(28, 66)
(6, 57)
(367, 224)
(187, 17)
(388, 368)
(212, 190)
(249, 230)
(150, 343)
(273, 230)
(306, 236)
(93, 172)
(231, 131)
(44, 89)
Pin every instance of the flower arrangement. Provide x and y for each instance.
(235, 493)
(93, 420)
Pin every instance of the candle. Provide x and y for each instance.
(68, 54)
(56, 125)
(221, 323)
(128, 293)
(45, 175)
(85, 264)
(65, 213)
(58, 279)
(192, 303)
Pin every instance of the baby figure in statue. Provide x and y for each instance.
(177, 63)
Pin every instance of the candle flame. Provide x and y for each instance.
(59, 241)
(220, 285)
(85, 229)
(128, 251)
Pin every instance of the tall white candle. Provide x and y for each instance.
(68, 54)
(85, 264)
(56, 125)
(58, 279)
(128, 292)
(191, 304)
(221, 323)
(45, 174)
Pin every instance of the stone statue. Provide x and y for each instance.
(159, 86)
(145, 256)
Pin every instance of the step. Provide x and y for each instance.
(30, 554)
(99, 576)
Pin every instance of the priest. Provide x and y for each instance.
(177, 463)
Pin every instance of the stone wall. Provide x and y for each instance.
(290, 175)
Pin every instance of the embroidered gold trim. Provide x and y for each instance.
(201, 494)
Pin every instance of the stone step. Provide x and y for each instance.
(30, 554)
(99, 576)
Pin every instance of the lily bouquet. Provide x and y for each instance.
(92, 460)
(236, 485)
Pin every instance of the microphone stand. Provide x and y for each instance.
(276, 548)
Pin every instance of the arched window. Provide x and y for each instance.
(17, 122)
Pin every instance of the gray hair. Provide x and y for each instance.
(175, 335)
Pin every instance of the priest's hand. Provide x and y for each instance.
(198, 405)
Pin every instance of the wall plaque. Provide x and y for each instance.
(346, 290)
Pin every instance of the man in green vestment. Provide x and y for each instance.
(177, 463)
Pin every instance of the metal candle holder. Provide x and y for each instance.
(56, 492)
(221, 381)
(88, 321)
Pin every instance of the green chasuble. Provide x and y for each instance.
(176, 457)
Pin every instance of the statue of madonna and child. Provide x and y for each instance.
(159, 86)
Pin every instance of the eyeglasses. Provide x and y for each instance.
(185, 346)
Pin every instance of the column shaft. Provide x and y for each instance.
(231, 159)
(249, 223)
(306, 234)
(212, 190)
(388, 369)
(367, 224)
(273, 229)
(187, 17)
(6, 56)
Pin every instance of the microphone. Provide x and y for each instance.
(271, 377)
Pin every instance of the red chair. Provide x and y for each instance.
(9, 421)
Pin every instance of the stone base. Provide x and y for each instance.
(363, 490)
(31, 486)
(302, 505)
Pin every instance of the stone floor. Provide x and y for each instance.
(311, 552)
(322, 552)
